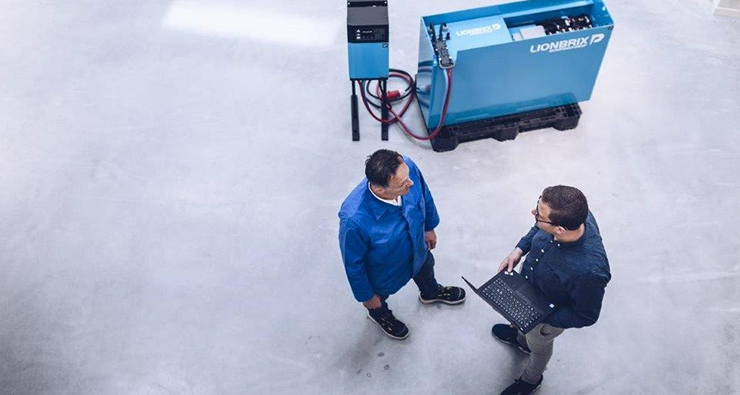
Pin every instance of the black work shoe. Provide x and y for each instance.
(447, 295)
(506, 334)
(521, 387)
(390, 325)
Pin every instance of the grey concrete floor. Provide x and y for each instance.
(170, 174)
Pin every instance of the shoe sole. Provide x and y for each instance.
(517, 345)
(383, 330)
(432, 301)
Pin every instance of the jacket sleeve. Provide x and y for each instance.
(431, 215)
(353, 245)
(587, 293)
(526, 242)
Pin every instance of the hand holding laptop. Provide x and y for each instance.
(510, 262)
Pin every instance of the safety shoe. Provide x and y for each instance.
(521, 387)
(447, 295)
(390, 325)
(506, 334)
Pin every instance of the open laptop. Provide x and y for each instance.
(515, 299)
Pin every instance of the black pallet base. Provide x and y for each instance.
(507, 127)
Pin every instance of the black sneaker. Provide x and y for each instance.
(521, 387)
(506, 334)
(447, 295)
(390, 325)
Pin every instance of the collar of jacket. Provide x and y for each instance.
(576, 243)
(377, 207)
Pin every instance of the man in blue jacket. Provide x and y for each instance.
(567, 262)
(386, 232)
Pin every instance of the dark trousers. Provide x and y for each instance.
(424, 280)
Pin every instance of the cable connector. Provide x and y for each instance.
(443, 54)
(393, 95)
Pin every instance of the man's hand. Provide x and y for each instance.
(510, 262)
(373, 303)
(430, 237)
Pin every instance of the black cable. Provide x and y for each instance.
(397, 117)
(399, 71)
(365, 90)
(368, 92)
(408, 91)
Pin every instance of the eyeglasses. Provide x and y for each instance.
(537, 213)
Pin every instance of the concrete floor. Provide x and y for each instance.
(170, 174)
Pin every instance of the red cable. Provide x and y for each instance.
(391, 120)
(364, 101)
(411, 95)
(397, 117)
(441, 120)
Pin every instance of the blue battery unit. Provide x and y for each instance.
(512, 58)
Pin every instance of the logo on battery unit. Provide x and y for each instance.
(479, 30)
(564, 45)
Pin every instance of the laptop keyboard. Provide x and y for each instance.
(518, 309)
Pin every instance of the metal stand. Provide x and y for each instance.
(384, 113)
(355, 119)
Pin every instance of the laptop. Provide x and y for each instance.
(515, 299)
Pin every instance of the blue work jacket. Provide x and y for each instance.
(382, 245)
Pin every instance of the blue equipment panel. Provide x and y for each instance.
(367, 39)
(476, 33)
(368, 61)
(536, 59)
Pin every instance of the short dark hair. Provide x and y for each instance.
(568, 205)
(381, 166)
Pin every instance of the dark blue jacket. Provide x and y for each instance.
(572, 275)
(383, 245)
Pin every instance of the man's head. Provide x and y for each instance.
(561, 209)
(388, 173)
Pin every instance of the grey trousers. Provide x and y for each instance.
(540, 340)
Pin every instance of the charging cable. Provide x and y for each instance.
(395, 96)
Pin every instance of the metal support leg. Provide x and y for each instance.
(384, 111)
(355, 118)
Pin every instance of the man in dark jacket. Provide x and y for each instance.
(567, 262)
(386, 232)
